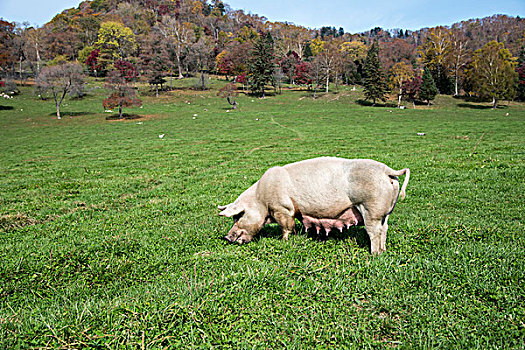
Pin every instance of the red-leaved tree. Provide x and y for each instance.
(123, 93)
(241, 78)
(302, 73)
(93, 62)
(410, 89)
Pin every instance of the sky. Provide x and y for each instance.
(353, 16)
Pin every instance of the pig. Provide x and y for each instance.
(323, 193)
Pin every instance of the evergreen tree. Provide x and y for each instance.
(307, 52)
(375, 84)
(261, 65)
(428, 89)
(444, 83)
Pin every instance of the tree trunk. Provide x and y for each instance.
(58, 110)
(37, 60)
(20, 69)
(494, 103)
(202, 80)
(456, 83)
(59, 102)
(179, 66)
(120, 110)
(327, 81)
(156, 90)
(399, 98)
(414, 104)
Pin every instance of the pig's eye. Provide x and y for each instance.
(237, 217)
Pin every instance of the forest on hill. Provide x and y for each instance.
(177, 38)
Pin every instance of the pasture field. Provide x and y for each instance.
(109, 234)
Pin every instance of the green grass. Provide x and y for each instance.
(109, 235)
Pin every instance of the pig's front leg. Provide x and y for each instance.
(286, 222)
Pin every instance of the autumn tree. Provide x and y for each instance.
(410, 89)
(233, 60)
(115, 42)
(229, 92)
(62, 41)
(316, 74)
(293, 38)
(492, 73)
(93, 63)
(180, 34)
(200, 53)
(17, 47)
(399, 73)
(459, 55)
(261, 64)
(330, 59)
(7, 55)
(354, 54)
(33, 45)
(154, 59)
(84, 53)
(288, 63)
(224, 64)
(119, 82)
(428, 89)
(60, 80)
(375, 85)
(302, 73)
(436, 55)
(396, 51)
(316, 46)
(242, 79)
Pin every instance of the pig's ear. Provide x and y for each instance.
(230, 210)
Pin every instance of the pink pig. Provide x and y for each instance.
(324, 193)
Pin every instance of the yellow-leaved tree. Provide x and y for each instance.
(492, 73)
(436, 54)
(399, 73)
(115, 41)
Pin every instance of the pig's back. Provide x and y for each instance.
(325, 187)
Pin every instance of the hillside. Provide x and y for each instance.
(179, 37)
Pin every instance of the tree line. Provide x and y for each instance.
(170, 39)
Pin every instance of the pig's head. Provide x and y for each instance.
(247, 221)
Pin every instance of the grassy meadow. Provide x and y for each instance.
(109, 234)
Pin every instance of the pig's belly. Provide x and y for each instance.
(349, 217)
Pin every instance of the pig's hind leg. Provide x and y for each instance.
(384, 229)
(376, 227)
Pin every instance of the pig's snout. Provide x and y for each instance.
(238, 237)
